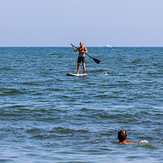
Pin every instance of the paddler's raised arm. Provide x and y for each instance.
(75, 50)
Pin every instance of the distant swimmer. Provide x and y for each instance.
(81, 58)
(122, 136)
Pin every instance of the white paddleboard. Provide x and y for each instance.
(70, 74)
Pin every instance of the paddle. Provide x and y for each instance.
(96, 60)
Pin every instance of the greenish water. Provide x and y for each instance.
(46, 116)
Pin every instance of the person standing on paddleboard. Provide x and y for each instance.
(82, 50)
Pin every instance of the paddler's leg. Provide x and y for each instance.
(78, 66)
(84, 68)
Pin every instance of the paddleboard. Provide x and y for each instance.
(70, 74)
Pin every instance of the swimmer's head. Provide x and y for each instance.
(122, 135)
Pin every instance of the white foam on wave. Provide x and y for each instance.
(144, 141)
(105, 73)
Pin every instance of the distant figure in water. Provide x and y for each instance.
(122, 136)
(82, 50)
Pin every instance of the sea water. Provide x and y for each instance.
(46, 116)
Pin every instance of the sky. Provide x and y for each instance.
(118, 23)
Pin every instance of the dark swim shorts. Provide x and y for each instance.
(81, 59)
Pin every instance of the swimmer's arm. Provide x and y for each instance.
(129, 143)
(141, 142)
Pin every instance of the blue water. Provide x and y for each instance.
(46, 116)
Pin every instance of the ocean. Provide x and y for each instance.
(47, 117)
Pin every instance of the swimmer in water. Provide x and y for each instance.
(122, 136)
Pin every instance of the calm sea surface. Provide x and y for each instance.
(46, 116)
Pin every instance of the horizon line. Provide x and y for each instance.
(70, 46)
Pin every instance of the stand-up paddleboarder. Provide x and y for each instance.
(81, 58)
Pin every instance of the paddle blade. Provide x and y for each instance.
(96, 60)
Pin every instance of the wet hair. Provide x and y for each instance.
(122, 135)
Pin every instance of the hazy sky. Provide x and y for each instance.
(95, 22)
